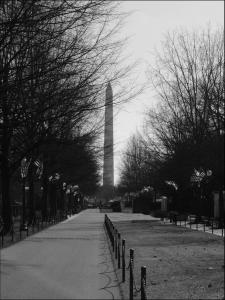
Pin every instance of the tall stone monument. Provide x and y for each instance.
(108, 168)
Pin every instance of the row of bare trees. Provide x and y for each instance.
(55, 59)
(185, 132)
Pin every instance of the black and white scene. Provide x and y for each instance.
(112, 149)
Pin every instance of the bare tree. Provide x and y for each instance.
(188, 124)
(55, 58)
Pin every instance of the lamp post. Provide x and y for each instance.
(201, 177)
(76, 198)
(57, 178)
(53, 193)
(63, 192)
(23, 225)
(24, 170)
(68, 192)
(208, 176)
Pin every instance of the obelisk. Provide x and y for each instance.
(108, 168)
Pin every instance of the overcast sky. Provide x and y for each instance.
(147, 25)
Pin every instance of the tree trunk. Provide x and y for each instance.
(5, 168)
(44, 195)
(6, 201)
(5, 179)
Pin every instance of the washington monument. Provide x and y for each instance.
(108, 169)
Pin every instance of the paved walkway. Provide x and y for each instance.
(70, 260)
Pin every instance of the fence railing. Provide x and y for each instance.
(119, 250)
(199, 223)
(18, 228)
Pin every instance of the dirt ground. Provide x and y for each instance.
(181, 263)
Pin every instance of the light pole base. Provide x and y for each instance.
(23, 227)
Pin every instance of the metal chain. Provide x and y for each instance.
(128, 266)
(144, 285)
(135, 287)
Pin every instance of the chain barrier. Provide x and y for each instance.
(115, 239)
(143, 289)
(128, 267)
(135, 285)
(17, 227)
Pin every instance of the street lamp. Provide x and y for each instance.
(62, 195)
(201, 177)
(64, 186)
(24, 170)
(57, 176)
(68, 193)
(209, 173)
(54, 179)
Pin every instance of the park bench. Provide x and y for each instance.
(205, 220)
(182, 217)
(215, 222)
(173, 216)
(192, 219)
(210, 221)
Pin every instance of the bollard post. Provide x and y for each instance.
(113, 238)
(109, 229)
(212, 225)
(106, 223)
(116, 243)
(119, 250)
(143, 282)
(131, 273)
(123, 261)
(204, 225)
(112, 235)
